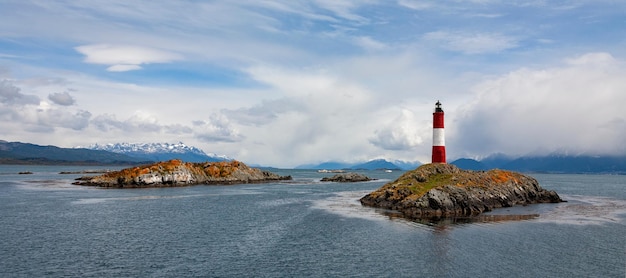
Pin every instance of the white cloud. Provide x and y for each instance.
(472, 43)
(29, 113)
(589, 59)
(54, 118)
(344, 8)
(569, 108)
(120, 68)
(217, 129)
(368, 43)
(125, 57)
(415, 5)
(400, 134)
(140, 122)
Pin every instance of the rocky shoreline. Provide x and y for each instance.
(435, 191)
(175, 173)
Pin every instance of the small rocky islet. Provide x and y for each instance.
(347, 177)
(439, 191)
(175, 173)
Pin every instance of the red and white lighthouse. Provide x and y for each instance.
(439, 140)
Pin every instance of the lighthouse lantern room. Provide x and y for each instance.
(439, 142)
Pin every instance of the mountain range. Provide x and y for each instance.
(160, 151)
(132, 153)
(376, 164)
(120, 153)
(553, 163)
(25, 153)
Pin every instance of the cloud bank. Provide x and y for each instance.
(567, 109)
(283, 83)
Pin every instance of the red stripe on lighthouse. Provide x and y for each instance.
(439, 145)
(439, 154)
(438, 119)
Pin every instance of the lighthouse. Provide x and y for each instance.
(439, 141)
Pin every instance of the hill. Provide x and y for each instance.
(25, 153)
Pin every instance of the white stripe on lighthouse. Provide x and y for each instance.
(438, 137)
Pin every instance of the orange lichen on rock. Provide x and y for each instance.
(221, 169)
(501, 176)
(177, 173)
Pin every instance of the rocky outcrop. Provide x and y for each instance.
(443, 190)
(347, 177)
(178, 173)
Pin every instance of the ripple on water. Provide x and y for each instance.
(586, 210)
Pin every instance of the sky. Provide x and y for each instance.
(283, 83)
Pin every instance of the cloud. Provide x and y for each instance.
(370, 44)
(125, 57)
(54, 118)
(472, 43)
(64, 98)
(589, 59)
(400, 134)
(415, 5)
(10, 95)
(538, 111)
(139, 122)
(27, 112)
(344, 9)
(217, 129)
(120, 68)
(264, 113)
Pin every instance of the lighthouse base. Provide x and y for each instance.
(439, 154)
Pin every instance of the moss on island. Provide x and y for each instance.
(178, 173)
(445, 191)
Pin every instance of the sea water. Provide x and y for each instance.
(300, 228)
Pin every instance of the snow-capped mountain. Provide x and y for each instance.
(160, 151)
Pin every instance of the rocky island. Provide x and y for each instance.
(178, 173)
(347, 177)
(435, 191)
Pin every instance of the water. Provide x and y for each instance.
(294, 229)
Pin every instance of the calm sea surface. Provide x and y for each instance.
(301, 228)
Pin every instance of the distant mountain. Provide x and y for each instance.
(330, 165)
(369, 165)
(25, 153)
(160, 151)
(407, 165)
(569, 164)
(375, 165)
(496, 160)
(554, 163)
(469, 164)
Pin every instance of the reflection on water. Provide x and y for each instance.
(579, 210)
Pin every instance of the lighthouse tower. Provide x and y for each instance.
(439, 141)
